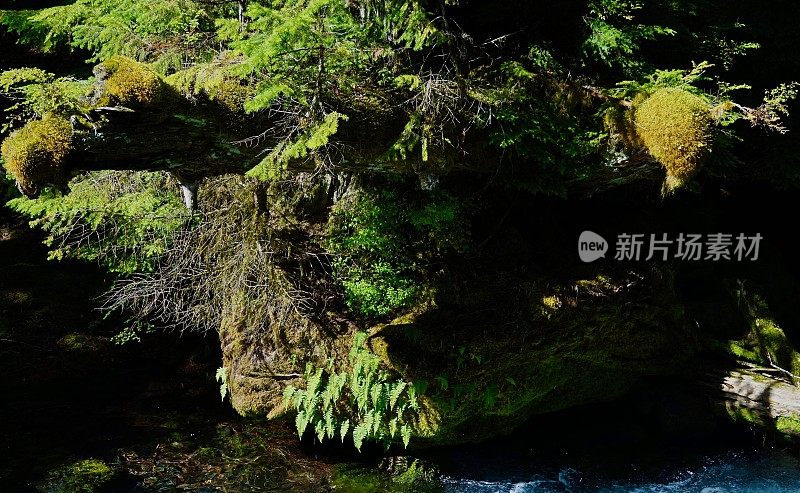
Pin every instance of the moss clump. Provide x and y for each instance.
(128, 82)
(35, 154)
(676, 127)
(86, 476)
(402, 476)
(789, 425)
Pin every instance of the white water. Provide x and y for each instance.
(765, 472)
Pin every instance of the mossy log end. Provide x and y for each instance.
(754, 396)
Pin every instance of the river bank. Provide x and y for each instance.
(81, 413)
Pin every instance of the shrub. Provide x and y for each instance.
(384, 244)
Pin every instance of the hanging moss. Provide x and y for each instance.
(676, 127)
(128, 82)
(35, 154)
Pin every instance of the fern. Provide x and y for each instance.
(222, 378)
(366, 400)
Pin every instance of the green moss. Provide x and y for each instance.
(129, 82)
(86, 476)
(766, 342)
(741, 414)
(35, 154)
(676, 127)
(789, 425)
(409, 476)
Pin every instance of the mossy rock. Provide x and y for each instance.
(517, 360)
(130, 83)
(85, 476)
(394, 475)
(35, 154)
(677, 128)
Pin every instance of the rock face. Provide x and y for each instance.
(490, 361)
(511, 329)
(516, 348)
(492, 342)
(261, 363)
(273, 322)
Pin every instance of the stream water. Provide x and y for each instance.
(770, 471)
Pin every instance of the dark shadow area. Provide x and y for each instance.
(69, 392)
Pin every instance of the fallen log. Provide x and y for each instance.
(760, 396)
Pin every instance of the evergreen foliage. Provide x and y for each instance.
(168, 32)
(615, 36)
(122, 220)
(35, 93)
(318, 67)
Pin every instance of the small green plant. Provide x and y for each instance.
(366, 401)
(132, 332)
(222, 378)
(383, 243)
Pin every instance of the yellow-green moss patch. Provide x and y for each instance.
(86, 476)
(404, 475)
(83, 343)
(676, 127)
(130, 82)
(790, 425)
(35, 153)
